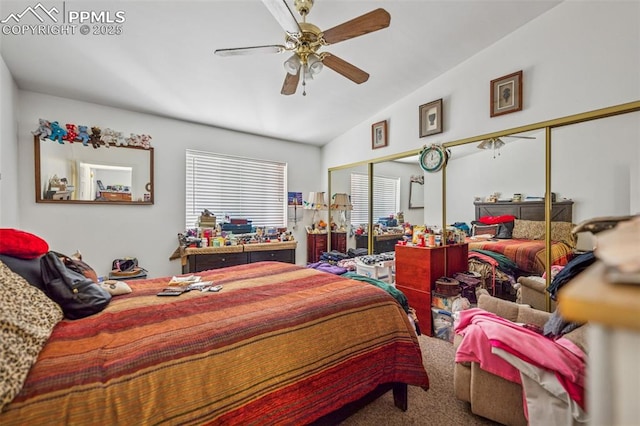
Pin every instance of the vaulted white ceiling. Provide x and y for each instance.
(162, 62)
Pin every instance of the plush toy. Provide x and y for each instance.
(83, 135)
(145, 141)
(107, 136)
(120, 140)
(133, 140)
(95, 137)
(72, 133)
(43, 130)
(57, 132)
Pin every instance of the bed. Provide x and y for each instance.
(528, 255)
(279, 344)
(502, 251)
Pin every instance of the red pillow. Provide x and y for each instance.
(492, 220)
(24, 245)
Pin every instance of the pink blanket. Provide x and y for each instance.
(483, 330)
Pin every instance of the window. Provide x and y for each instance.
(386, 197)
(238, 187)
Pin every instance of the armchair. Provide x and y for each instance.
(532, 293)
(491, 396)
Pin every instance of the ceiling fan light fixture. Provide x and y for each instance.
(493, 143)
(307, 73)
(314, 64)
(292, 65)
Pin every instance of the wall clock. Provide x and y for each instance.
(433, 158)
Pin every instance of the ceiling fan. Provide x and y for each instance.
(496, 143)
(305, 40)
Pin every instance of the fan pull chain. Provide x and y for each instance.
(304, 81)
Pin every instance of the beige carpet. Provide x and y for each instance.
(437, 406)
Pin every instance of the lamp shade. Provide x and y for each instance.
(314, 64)
(341, 201)
(292, 65)
(315, 201)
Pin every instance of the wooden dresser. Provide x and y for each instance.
(561, 211)
(339, 242)
(418, 268)
(115, 196)
(202, 259)
(316, 245)
(381, 243)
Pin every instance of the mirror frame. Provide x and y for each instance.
(547, 126)
(38, 179)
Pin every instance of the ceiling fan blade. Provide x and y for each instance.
(290, 83)
(274, 48)
(343, 67)
(364, 24)
(280, 10)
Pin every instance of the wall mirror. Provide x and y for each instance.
(351, 180)
(416, 192)
(591, 158)
(603, 178)
(479, 171)
(391, 200)
(72, 173)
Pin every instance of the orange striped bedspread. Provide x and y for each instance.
(528, 255)
(279, 344)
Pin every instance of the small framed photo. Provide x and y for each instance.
(506, 94)
(379, 134)
(431, 118)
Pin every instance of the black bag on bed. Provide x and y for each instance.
(77, 295)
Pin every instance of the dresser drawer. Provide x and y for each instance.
(288, 256)
(116, 196)
(215, 261)
(421, 302)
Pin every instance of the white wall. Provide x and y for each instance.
(8, 149)
(106, 232)
(577, 57)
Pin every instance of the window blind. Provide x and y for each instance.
(236, 187)
(386, 197)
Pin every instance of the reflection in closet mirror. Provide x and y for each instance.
(394, 191)
(514, 166)
(353, 181)
(72, 173)
(596, 163)
(524, 167)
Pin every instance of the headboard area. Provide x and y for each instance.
(561, 211)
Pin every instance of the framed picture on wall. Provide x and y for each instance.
(431, 118)
(506, 94)
(379, 134)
